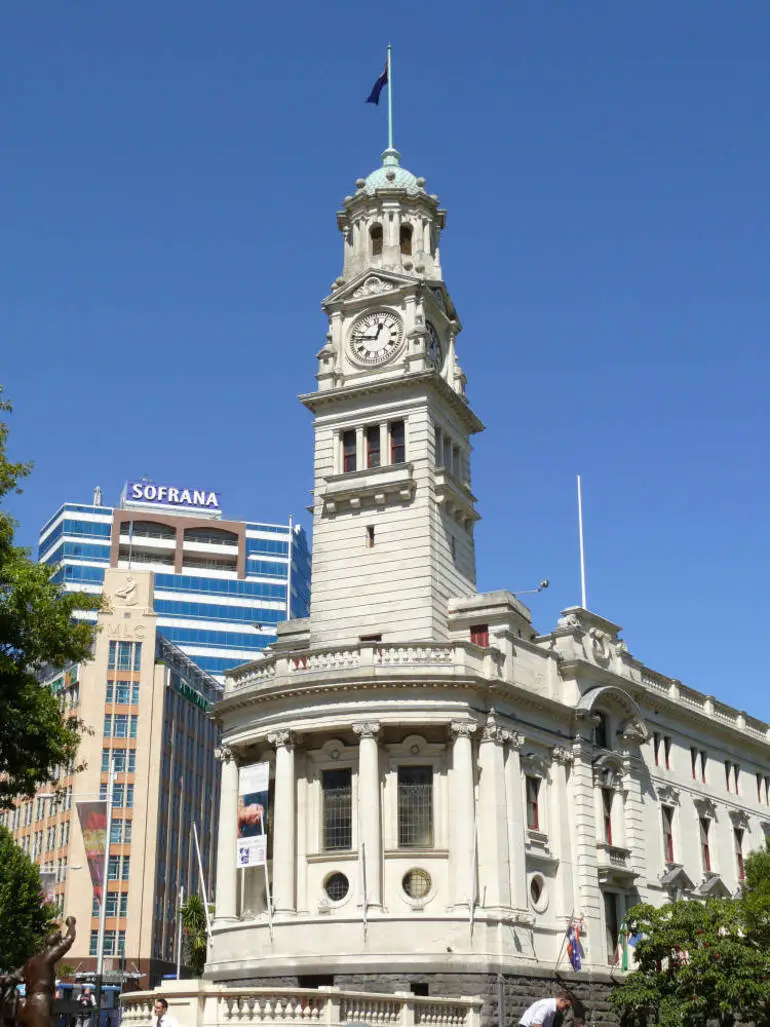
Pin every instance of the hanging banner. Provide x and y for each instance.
(48, 885)
(253, 783)
(93, 824)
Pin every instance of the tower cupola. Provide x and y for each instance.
(391, 223)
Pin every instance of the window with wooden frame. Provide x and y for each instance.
(705, 848)
(738, 840)
(608, 797)
(397, 442)
(532, 785)
(373, 455)
(480, 634)
(349, 450)
(667, 814)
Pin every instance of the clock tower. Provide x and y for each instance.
(394, 514)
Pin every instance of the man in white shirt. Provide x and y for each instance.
(162, 1016)
(543, 1012)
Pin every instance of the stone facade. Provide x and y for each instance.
(449, 786)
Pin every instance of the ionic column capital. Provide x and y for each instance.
(367, 728)
(562, 756)
(283, 738)
(463, 728)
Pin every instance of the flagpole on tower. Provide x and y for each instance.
(582, 551)
(390, 103)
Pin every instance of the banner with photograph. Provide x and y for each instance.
(253, 783)
(48, 885)
(93, 824)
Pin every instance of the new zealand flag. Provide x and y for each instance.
(379, 85)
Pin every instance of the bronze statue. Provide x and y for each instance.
(39, 977)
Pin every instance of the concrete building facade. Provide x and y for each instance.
(450, 786)
(147, 709)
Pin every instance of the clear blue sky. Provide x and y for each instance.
(169, 178)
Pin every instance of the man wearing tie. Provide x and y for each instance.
(162, 1016)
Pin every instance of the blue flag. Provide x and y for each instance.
(377, 88)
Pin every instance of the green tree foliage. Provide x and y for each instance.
(756, 898)
(701, 961)
(195, 936)
(36, 630)
(24, 918)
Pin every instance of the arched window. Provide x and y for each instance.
(375, 234)
(405, 237)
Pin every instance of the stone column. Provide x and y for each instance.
(584, 837)
(227, 872)
(633, 768)
(516, 822)
(369, 816)
(493, 860)
(463, 812)
(284, 822)
(567, 900)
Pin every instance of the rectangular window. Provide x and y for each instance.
(349, 450)
(601, 732)
(370, 536)
(134, 725)
(397, 442)
(373, 445)
(533, 808)
(93, 943)
(738, 838)
(667, 749)
(759, 788)
(123, 911)
(703, 764)
(480, 634)
(694, 762)
(125, 868)
(337, 791)
(113, 868)
(116, 831)
(120, 725)
(705, 848)
(117, 757)
(415, 807)
(607, 797)
(668, 833)
(656, 747)
(737, 778)
(728, 769)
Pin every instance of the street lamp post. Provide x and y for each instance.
(103, 903)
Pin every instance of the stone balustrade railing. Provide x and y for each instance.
(705, 704)
(202, 1004)
(463, 656)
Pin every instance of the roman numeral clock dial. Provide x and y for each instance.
(376, 337)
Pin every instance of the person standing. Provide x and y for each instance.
(162, 1016)
(543, 1012)
(86, 1003)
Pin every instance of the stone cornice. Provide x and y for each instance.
(315, 401)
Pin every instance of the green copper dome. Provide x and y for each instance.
(392, 176)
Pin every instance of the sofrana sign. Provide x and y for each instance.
(169, 495)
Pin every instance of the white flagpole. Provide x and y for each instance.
(202, 880)
(583, 601)
(390, 103)
(363, 886)
(472, 889)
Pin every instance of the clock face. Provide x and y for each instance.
(434, 346)
(376, 337)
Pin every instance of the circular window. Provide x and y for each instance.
(537, 894)
(336, 887)
(416, 883)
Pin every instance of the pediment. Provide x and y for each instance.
(713, 887)
(373, 282)
(379, 282)
(675, 877)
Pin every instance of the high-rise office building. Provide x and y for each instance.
(221, 586)
(146, 705)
